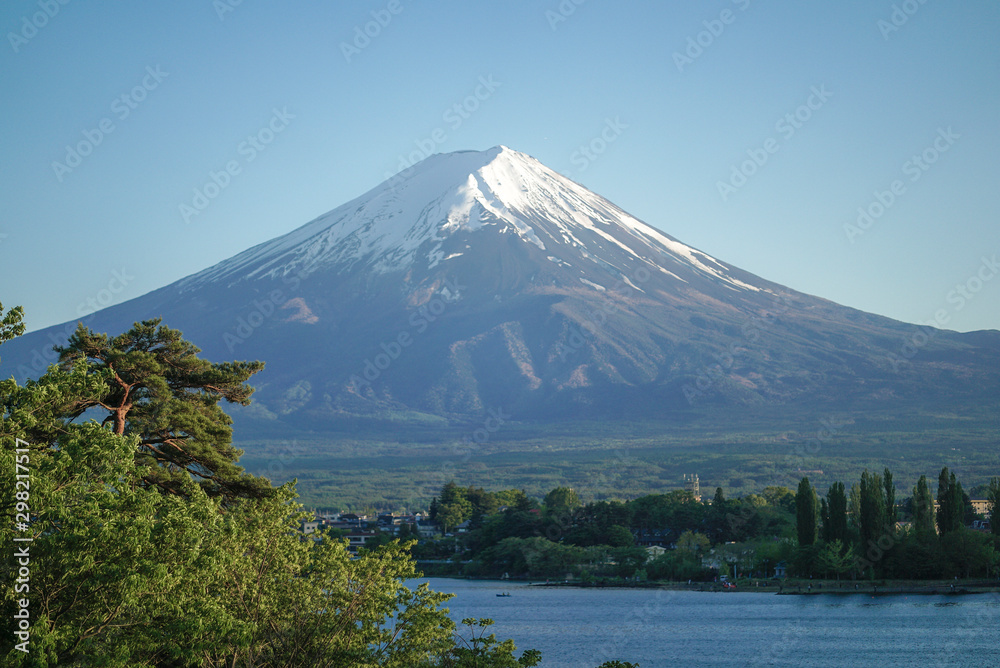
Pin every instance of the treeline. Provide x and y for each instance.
(861, 532)
(134, 538)
(865, 532)
(510, 532)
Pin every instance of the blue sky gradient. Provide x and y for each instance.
(652, 105)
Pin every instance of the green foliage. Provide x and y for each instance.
(806, 513)
(779, 496)
(561, 500)
(835, 527)
(11, 323)
(628, 560)
(854, 506)
(677, 565)
(993, 494)
(950, 503)
(617, 536)
(159, 390)
(693, 542)
(673, 511)
(923, 509)
(890, 499)
(455, 504)
(531, 557)
(601, 523)
(482, 651)
(535, 544)
(837, 558)
(873, 520)
(968, 553)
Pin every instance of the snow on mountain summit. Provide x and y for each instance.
(405, 219)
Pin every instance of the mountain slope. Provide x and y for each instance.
(479, 280)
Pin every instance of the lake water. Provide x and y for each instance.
(582, 628)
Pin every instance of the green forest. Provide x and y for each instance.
(863, 532)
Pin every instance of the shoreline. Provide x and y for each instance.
(786, 588)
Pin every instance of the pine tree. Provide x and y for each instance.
(11, 323)
(161, 391)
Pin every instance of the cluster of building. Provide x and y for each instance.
(359, 529)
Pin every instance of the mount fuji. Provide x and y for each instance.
(482, 280)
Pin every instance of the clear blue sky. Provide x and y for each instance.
(110, 227)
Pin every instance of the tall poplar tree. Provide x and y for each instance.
(890, 500)
(923, 508)
(806, 512)
(951, 503)
(854, 506)
(160, 391)
(873, 515)
(836, 501)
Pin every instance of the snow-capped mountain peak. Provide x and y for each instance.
(405, 220)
